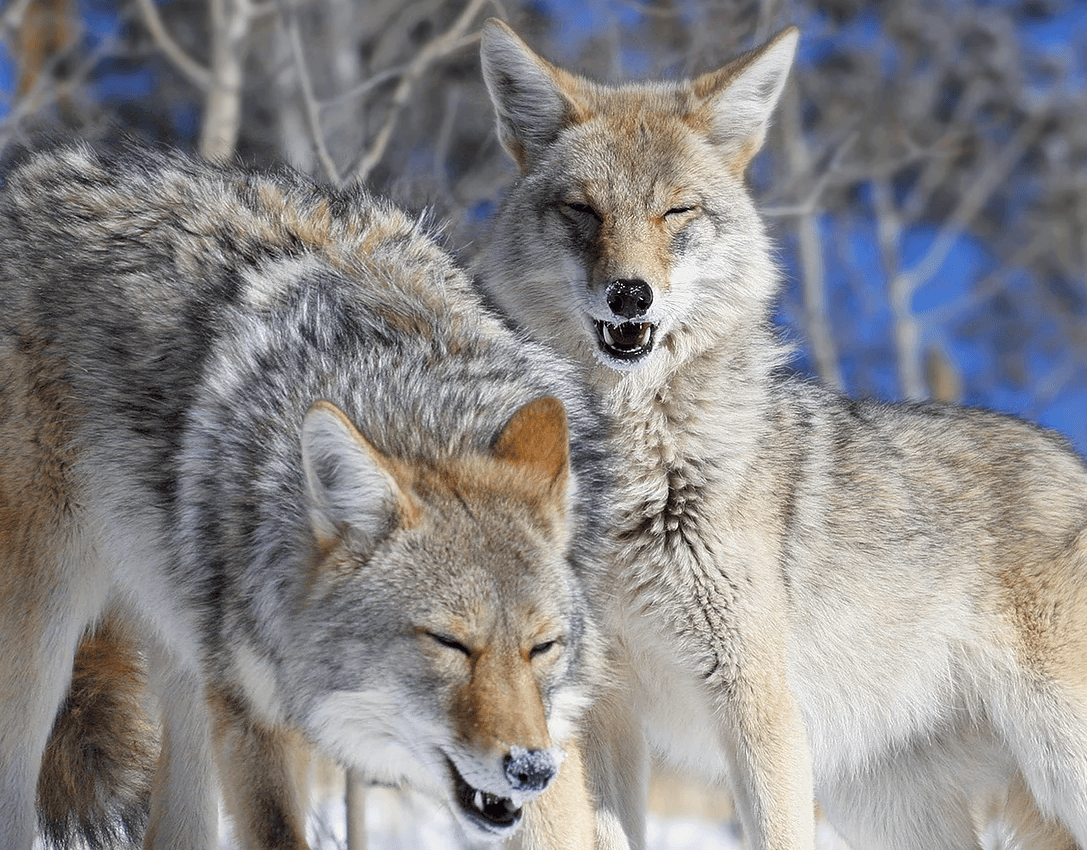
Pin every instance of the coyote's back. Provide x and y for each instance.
(263, 432)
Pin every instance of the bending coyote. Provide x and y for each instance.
(884, 603)
(268, 428)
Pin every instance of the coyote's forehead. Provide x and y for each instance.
(477, 529)
(642, 161)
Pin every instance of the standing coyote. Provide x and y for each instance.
(885, 605)
(268, 432)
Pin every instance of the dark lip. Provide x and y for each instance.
(628, 340)
(498, 814)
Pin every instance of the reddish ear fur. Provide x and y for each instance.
(537, 439)
(533, 99)
(739, 99)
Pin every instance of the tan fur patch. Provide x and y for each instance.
(37, 478)
(537, 439)
(501, 705)
(482, 480)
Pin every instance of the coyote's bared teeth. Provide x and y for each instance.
(494, 814)
(626, 341)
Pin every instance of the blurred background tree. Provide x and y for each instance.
(927, 178)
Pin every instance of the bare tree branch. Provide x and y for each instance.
(312, 109)
(989, 286)
(975, 197)
(444, 138)
(812, 265)
(230, 24)
(390, 74)
(48, 91)
(938, 165)
(434, 50)
(906, 331)
(197, 74)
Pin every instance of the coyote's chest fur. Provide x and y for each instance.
(661, 547)
(664, 510)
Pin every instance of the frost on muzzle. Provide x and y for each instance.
(528, 773)
(631, 337)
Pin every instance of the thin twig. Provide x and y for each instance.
(906, 330)
(197, 74)
(831, 172)
(972, 200)
(445, 135)
(311, 108)
(989, 285)
(49, 89)
(936, 168)
(810, 247)
(433, 51)
(389, 74)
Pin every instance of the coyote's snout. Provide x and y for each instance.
(514, 779)
(530, 770)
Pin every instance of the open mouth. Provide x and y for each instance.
(495, 815)
(626, 341)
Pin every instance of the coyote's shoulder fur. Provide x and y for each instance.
(885, 605)
(263, 435)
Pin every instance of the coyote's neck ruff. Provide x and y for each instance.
(883, 605)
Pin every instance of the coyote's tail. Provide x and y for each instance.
(95, 781)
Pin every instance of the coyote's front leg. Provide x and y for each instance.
(261, 768)
(184, 812)
(598, 798)
(770, 769)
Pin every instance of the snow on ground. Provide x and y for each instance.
(403, 820)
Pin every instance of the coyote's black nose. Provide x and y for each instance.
(530, 770)
(628, 298)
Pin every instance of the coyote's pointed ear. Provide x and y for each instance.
(527, 93)
(740, 98)
(352, 494)
(537, 440)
